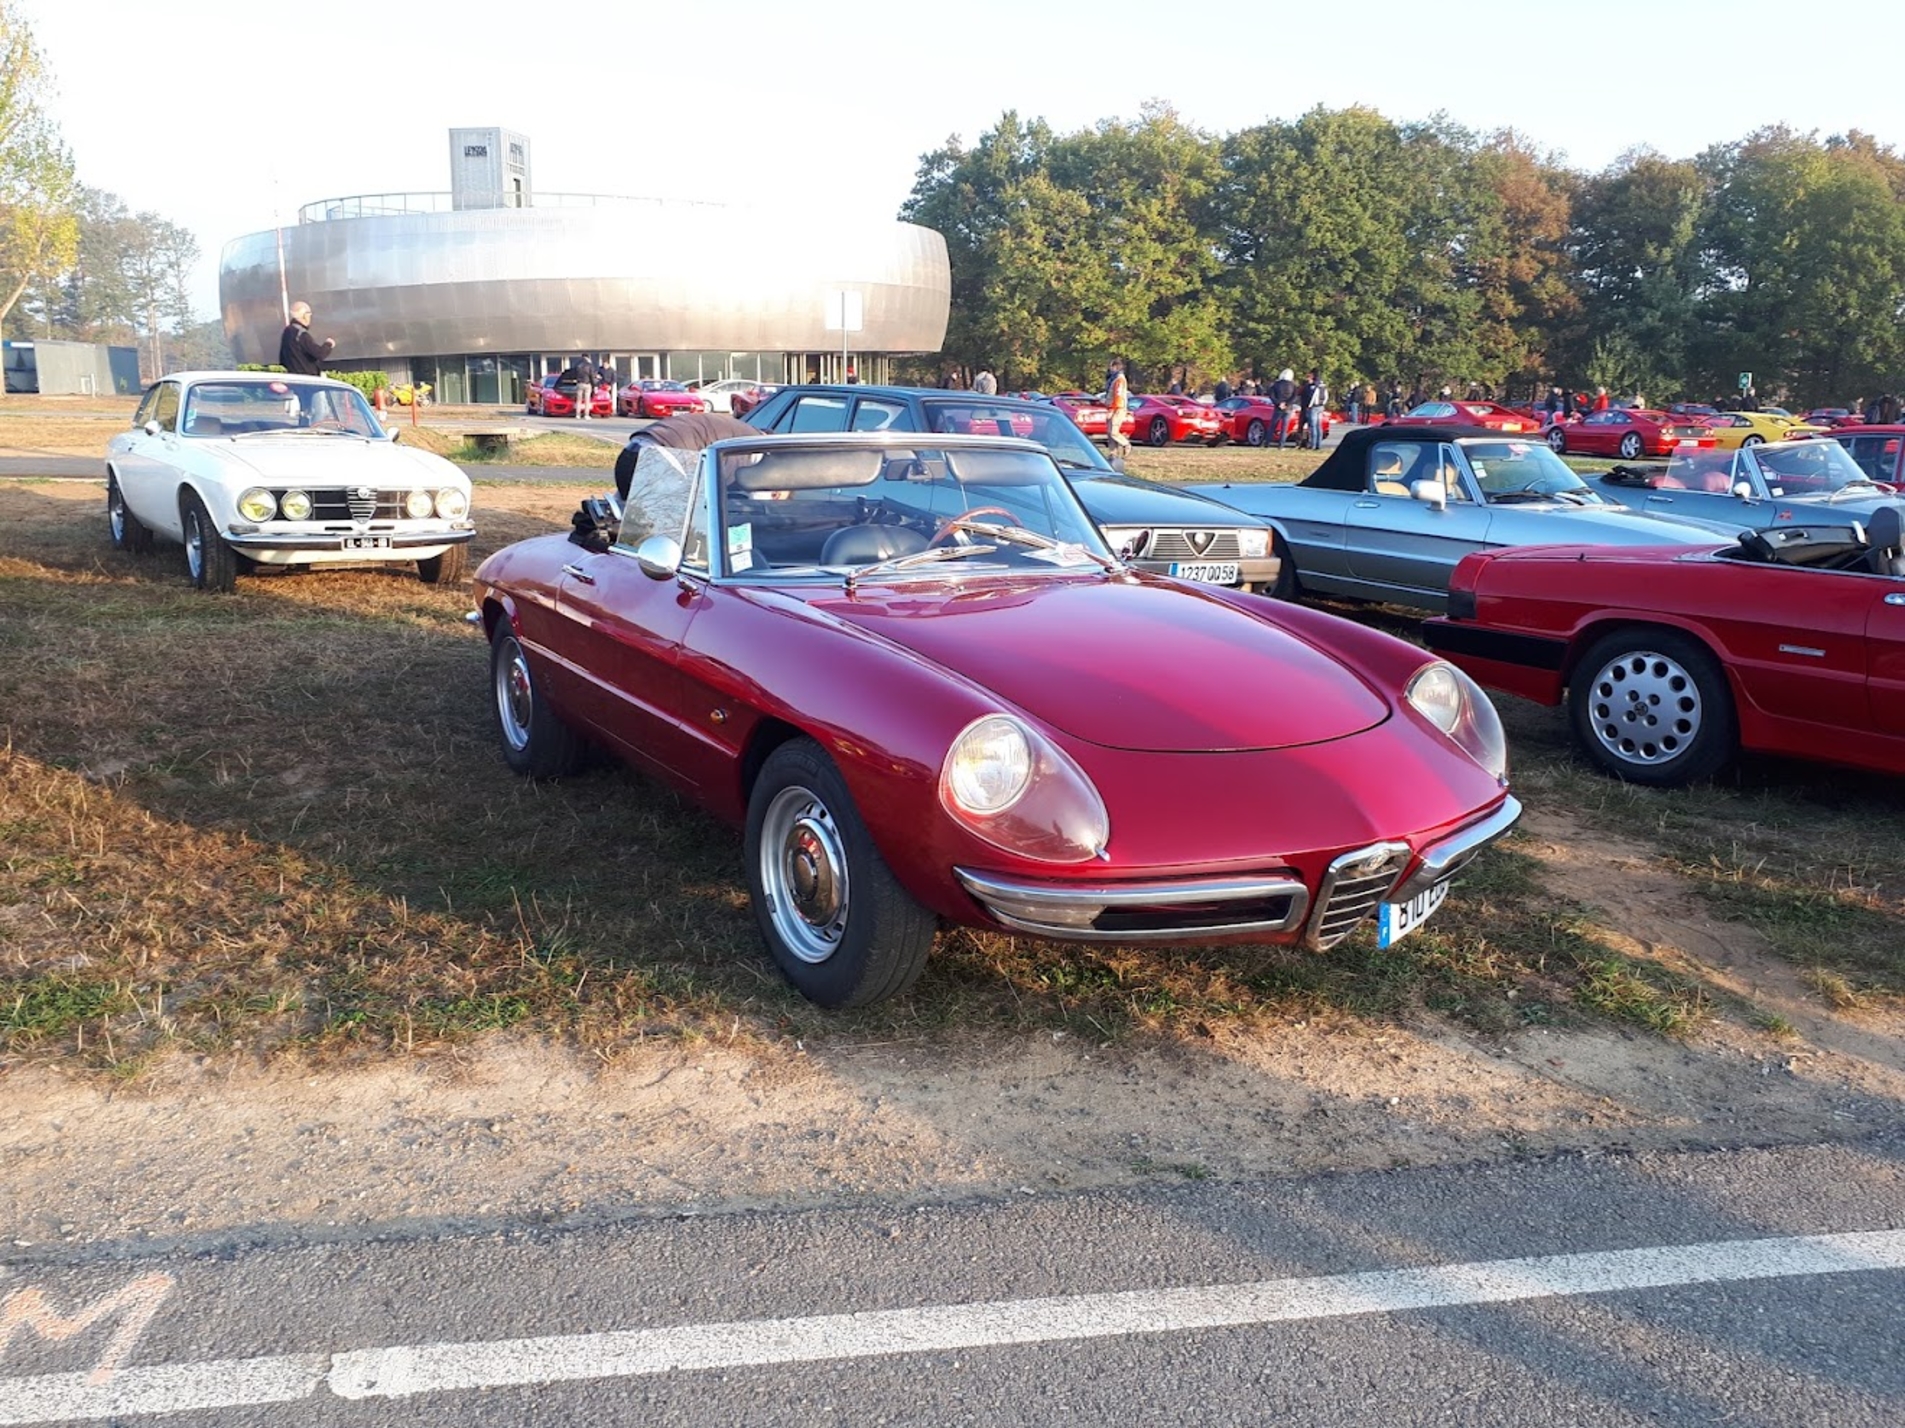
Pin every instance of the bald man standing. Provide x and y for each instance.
(298, 350)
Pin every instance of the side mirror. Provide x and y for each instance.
(392, 435)
(151, 428)
(1432, 494)
(1743, 489)
(659, 557)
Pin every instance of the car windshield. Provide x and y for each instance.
(1526, 470)
(242, 407)
(1051, 429)
(1809, 468)
(805, 512)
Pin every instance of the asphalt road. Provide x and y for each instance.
(1751, 1287)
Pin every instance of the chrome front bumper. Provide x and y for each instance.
(330, 541)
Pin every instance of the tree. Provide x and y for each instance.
(38, 230)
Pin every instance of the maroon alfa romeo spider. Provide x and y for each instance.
(913, 672)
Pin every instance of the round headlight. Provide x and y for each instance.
(257, 504)
(989, 766)
(418, 504)
(296, 505)
(1437, 696)
(452, 504)
(1455, 704)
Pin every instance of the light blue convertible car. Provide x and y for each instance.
(1390, 512)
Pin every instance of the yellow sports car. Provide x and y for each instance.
(1731, 429)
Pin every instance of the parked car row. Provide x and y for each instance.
(555, 396)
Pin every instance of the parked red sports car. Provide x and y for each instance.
(1788, 641)
(1833, 416)
(553, 397)
(1626, 434)
(1161, 420)
(1491, 415)
(1879, 451)
(653, 398)
(1089, 412)
(1059, 745)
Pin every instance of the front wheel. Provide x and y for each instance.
(838, 923)
(1652, 707)
(1159, 433)
(1557, 440)
(446, 569)
(536, 743)
(1256, 434)
(1630, 446)
(212, 564)
(129, 533)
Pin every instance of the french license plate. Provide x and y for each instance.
(1210, 572)
(1396, 920)
(364, 543)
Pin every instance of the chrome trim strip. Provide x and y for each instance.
(1446, 858)
(1067, 910)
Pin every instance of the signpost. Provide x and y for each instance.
(1746, 380)
(846, 308)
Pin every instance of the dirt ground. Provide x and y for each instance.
(517, 1130)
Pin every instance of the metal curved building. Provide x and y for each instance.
(483, 290)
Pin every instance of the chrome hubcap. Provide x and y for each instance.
(804, 874)
(194, 545)
(515, 696)
(1645, 708)
(116, 514)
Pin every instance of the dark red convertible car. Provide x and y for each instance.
(913, 672)
(1790, 641)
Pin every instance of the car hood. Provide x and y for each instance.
(335, 461)
(1126, 500)
(1126, 664)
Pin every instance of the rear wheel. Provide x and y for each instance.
(536, 743)
(1754, 440)
(840, 926)
(1630, 446)
(1652, 707)
(1256, 434)
(1557, 439)
(446, 569)
(1159, 432)
(212, 564)
(129, 533)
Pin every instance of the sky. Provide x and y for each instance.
(225, 116)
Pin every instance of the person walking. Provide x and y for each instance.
(1283, 398)
(1117, 407)
(298, 350)
(1315, 398)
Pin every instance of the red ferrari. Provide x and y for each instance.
(1629, 435)
(1159, 421)
(1253, 421)
(1833, 416)
(1040, 706)
(1089, 412)
(652, 398)
(1671, 660)
(554, 397)
(1491, 415)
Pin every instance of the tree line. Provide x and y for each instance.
(75, 262)
(1421, 253)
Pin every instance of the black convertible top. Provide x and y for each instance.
(1347, 467)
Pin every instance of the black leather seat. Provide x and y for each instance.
(1885, 539)
(862, 545)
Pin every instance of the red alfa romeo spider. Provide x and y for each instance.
(927, 690)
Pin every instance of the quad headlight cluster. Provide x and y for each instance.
(1455, 704)
(1019, 791)
(260, 505)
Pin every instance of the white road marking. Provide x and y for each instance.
(439, 1368)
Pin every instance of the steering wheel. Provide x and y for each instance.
(952, 526)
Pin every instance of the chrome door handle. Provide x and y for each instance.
(1369, 505)
(579, 573)
(1895, 599)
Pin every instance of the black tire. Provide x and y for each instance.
(129, 533)
(209, 561)
(1557, 440)
(1288, 587)
(1630, 446)
(450, 568)
(1256, 434)
(839, 925)
(1755, 439)
(536, 743)
(1159, 432)
(1652, 706)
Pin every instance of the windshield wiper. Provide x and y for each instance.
(1850, 485)
(929, 556)
(1019, 535)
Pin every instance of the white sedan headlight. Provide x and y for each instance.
(1013, 787)
(1253, 544)
(418, 505)
(296, 505)
(1455, 704)
(452, 504)
(257, 504)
